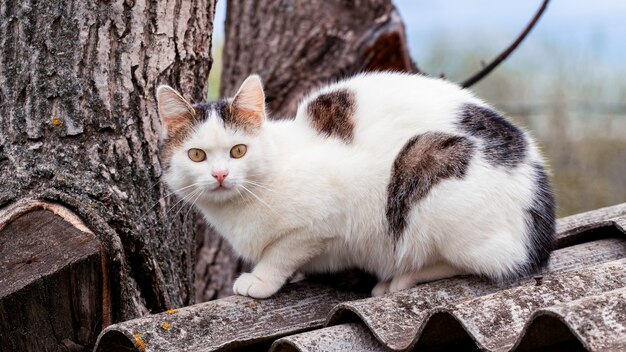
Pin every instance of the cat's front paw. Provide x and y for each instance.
(380, 289)
(249, 285)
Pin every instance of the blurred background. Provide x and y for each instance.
(566, 83)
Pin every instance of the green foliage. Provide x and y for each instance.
(216, 72)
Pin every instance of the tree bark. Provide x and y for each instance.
(296, 46)
(217, 265)
(79, 129)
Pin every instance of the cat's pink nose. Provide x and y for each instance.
(220, 175)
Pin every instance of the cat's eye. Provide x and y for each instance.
(238, 151)
(196, 154)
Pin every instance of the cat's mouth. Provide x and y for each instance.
(221, 188)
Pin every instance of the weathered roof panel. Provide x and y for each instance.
(230, 322)
(598, 322)
(494, 320)
(578, 303)
(570, 229)
(396, 319)
(344, 337)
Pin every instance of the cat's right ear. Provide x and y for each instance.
(174, 110)
(248, 105)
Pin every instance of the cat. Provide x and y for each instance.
(409, 178)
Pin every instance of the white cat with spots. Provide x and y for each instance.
(409, 178)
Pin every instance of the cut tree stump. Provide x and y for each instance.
(53, 294)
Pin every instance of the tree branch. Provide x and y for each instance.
(487, 69)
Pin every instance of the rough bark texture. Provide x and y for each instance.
(216, 266)
(296, 46)
(79, 127)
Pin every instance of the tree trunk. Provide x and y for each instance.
(296, 46)
(79, 130)
(216, 266)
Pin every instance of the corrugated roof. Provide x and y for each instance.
(229, 322)
(578, 303)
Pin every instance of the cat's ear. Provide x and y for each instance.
(248, 105)
(174, 110)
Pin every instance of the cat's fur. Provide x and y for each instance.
(407, 177)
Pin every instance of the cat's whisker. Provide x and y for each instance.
(187, 203)
(192, 205)
(250, 177)
(240, 194)
(147, 212)
(177, 190)
(255, 184)
(257, 197)
(180, 189)
(183, 199)
(155, 184)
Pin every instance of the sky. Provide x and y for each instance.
(596, 29)
(592, 29)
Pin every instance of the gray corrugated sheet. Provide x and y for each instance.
(577, 304)
(599, 322)
(227, 323)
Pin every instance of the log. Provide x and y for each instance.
(53, 291)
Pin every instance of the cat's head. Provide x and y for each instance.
(215, 151)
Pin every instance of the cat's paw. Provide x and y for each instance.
(249, 285)
(380, 289)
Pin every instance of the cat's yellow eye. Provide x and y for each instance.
(238, 151)
(196, 154)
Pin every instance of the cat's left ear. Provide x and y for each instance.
(248, 105)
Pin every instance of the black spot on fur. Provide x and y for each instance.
(203, 111)
(504, 144)
(424, 161)
(330, 114)
(229, 117)
(223, 110)
(541, 225)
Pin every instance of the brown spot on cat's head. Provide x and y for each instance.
(425, 161)
(177, 117)
(246, 110)
(331, 114)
